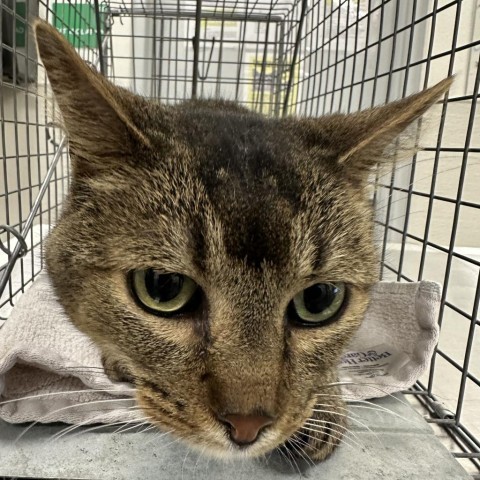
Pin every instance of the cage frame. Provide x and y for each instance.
(450, 422)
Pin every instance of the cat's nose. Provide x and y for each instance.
(244, 429)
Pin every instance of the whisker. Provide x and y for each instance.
(299, 439)
(342, 415)
(345, 409)
(370, 385)
(280, 450)
(148, 428)
(159, 435)
(295, 462)
(328, 405)
(340, 439)
(126, 427)
(357, 445)
(344, 396)
(183, 463)
(326, 422)
(98, 427)
(64, 431)
(88, 367)
(72, 428)
(342, 433)
(91, 370)
(67, 408)
(91, 420)
(309, 445)
(343, 429)
(298, 448)
(200, 454)
(349, 401)
(381, 408)
(69, 392)
(320, 410)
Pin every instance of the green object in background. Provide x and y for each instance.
(77, 23)
(20, 25)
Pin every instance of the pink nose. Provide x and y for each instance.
(244, 429)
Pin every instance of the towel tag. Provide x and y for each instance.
(378, 361)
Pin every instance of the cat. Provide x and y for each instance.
(219, 259)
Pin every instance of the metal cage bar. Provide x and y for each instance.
(279, 57)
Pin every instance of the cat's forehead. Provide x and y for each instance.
(245, 143)
(246, 166)
(238, 189)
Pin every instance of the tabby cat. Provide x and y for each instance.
(219, 259)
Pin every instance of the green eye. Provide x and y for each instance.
(163, 293)
(317, 305)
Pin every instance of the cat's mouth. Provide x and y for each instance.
(232, 436)
(220, 435)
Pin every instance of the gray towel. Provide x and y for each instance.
(42, 354)
(395, 342)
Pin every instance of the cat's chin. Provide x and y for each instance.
(229, 451)
(211, 439)
(312, 446)
(301, 446)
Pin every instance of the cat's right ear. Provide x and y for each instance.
(98, 126)
(358, 141)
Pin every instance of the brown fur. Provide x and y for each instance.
(253, 209)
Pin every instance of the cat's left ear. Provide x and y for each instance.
(96, 115)
(360, 140)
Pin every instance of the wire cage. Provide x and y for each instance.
(279, 57)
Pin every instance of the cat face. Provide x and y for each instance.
(219, 259)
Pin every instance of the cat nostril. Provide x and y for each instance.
(244, 429)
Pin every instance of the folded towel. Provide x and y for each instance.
(51, 372)
(394, 344)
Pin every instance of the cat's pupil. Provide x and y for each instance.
(318, 297)
(163, 287)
